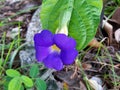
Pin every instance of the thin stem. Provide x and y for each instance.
(6, 59)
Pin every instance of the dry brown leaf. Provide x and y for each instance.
(109, 30)
(66, 78)
(14, 32)
(82, 86)
(94, 43)
(116, 15)
(86, 66)
(9, 13)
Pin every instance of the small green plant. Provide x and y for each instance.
(14, 80)
(39, 84)
(17, 80)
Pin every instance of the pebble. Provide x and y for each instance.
(27, 56)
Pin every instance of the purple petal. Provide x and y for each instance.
(42, 52)
(45, 38)
(64, 42)
(53, 61)
(68, 57)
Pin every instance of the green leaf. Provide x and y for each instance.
(84, 21)
(1, 62)
(1, 24)
(22, 87)
(15, 84)
(6, 83)
(27, 81)
(81, 16)
(40, 84)
(55, 13)
(34, 71)
(12, 73)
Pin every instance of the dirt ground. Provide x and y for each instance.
(102, 62)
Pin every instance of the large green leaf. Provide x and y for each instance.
(84, 21)
(81, 16)
(54, 13)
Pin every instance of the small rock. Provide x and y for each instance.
(98, 80)
(27, 56)
(33, 27)
(97, 83)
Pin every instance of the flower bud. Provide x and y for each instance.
(63, 30)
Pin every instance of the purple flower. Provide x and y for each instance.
(54, 50)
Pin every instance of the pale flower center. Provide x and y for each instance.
(55, 48)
